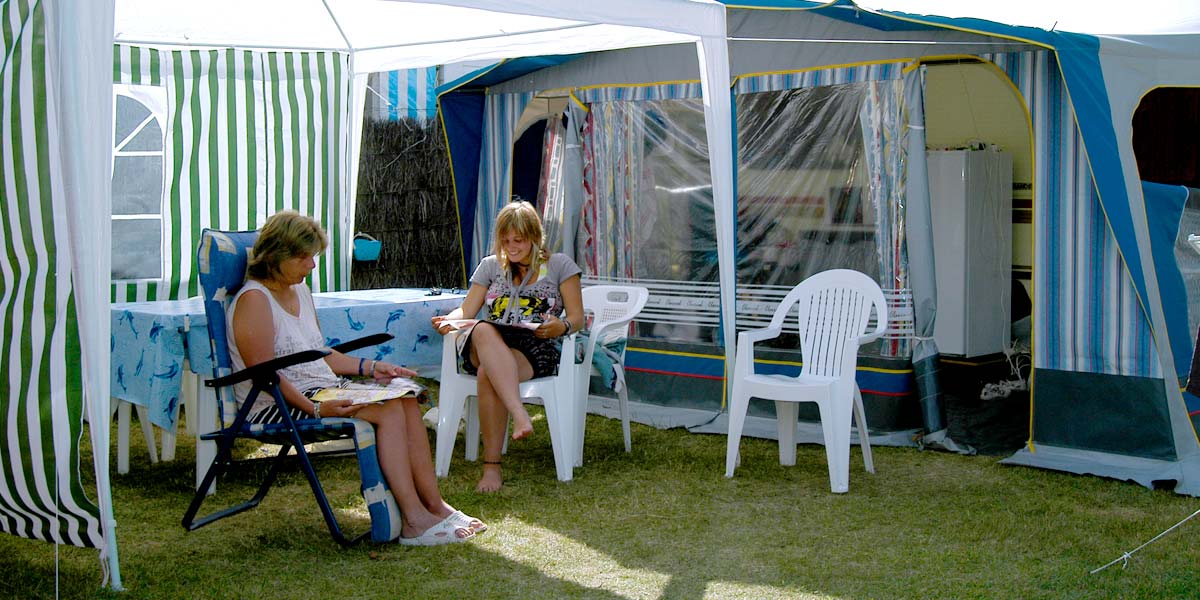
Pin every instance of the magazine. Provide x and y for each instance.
(360, 393)
(461, 324)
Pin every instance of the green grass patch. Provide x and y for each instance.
(662, 522)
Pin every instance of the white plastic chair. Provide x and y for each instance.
(834, 308)
(456, 394)
(612, 308)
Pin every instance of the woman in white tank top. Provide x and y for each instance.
(273, 315)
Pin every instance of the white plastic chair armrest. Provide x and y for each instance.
(881, 324)
(450, 351)
(745, 346)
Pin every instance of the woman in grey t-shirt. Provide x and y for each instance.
(530, 299)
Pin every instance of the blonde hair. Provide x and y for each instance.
(521, 218)
(286, 235)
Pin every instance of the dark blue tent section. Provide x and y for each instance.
(461, 105)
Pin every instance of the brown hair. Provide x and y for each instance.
(521, 218)
(287, 234)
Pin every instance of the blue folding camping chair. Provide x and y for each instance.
(222, 257)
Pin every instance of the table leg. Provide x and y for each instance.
(188, 391)
(168, 445)
(148, 433)
(206, 422)
(122, 436)
(187, 405)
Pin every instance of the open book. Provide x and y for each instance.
(359, 393)
(468, 323)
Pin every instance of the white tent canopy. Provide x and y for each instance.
(384, 35)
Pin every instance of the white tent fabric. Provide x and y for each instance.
(55, 98)
(384, 35)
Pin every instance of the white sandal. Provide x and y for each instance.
(462, 519)
(445, 532)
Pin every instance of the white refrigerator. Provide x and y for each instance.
(970, 193)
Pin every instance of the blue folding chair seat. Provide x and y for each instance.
(222, 257)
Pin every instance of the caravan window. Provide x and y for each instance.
(137, 182)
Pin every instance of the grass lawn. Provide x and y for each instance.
(662, 522)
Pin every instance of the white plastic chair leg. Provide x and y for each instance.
(168, 445)
(560, 420)
(189, 391)
(623, 398)
(737, 420)
(786, 414)
(577, 404)
(472, 434)
(450, 411)
(148, 433)
(123, 409)
(864, 437)
(835, 424)
(206, 422)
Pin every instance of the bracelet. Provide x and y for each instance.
(316, 410)
(360, 364)
(372, 370)
(570, 326)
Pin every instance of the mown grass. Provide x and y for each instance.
(661, 522)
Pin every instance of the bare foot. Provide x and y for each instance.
(522, 426)
(491, 479)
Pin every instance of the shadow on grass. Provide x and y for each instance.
(661, 522)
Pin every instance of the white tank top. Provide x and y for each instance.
(292, 334)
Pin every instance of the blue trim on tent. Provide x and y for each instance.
(1164, 209)
(462, 116)
(504, 71)
(840, 10)
(1193, 404)
(883, 382)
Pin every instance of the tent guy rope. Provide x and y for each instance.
(1124, 558)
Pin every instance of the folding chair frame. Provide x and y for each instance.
(266, 379)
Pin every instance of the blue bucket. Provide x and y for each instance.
(366, 248)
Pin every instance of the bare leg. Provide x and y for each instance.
(493, 417)
(420, 458)
(505, 369)
(392, 445)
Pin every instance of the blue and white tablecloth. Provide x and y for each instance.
(150, 340)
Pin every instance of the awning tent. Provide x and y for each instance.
(1111, 339)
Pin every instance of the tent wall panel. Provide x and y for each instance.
(41, 401)
(658, 377)
(1106, 413)
(1086, 315)
(247, 134)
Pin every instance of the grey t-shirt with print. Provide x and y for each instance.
(534, 299)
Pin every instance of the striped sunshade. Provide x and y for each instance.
(247, 134)
(41, 403)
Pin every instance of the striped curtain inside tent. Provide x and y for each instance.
(41, 403)
(501, 113)
(247, 134)
(1086, 313)
(403, 94)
